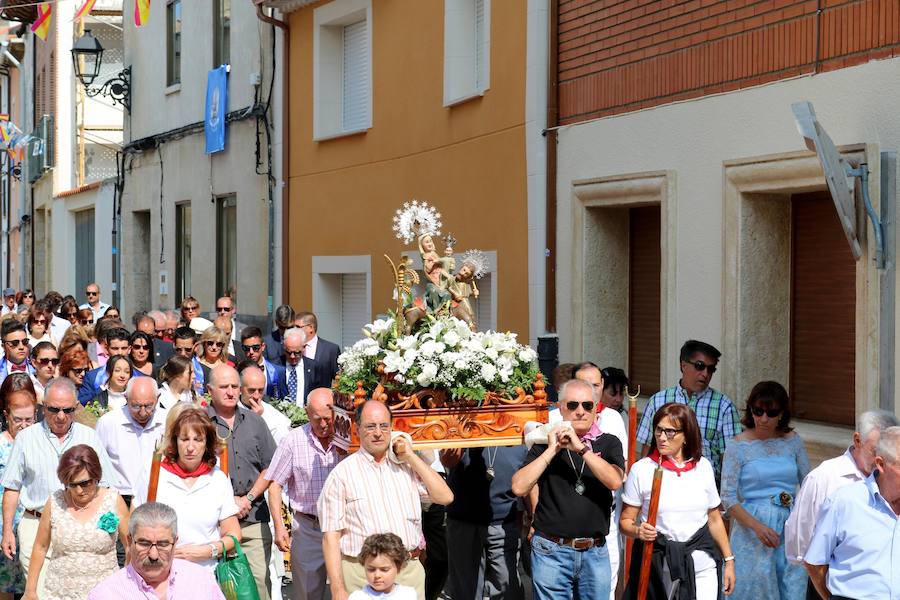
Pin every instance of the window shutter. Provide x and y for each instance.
(479, 45)
(355, 75)
(483, 306)
(84, 248)
(354, 307)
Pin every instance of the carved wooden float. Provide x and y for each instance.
(434, 421)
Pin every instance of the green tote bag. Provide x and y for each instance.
(234, 575)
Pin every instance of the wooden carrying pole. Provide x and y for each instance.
(647, 556)
(632, 454)
(154, 475)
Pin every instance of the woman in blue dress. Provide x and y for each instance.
(761, 472)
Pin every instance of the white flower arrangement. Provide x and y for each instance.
(443, 354)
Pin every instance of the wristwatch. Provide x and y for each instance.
(250, 497)
(584, 450)
(214, 551)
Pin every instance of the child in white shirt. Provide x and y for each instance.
(383, 555)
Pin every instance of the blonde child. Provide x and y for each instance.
(382, 556)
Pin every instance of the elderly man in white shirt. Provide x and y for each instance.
(30, 475)
(855, 464)
(130, 433)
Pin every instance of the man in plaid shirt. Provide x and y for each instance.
(716, 414)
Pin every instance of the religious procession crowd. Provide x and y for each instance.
(724, 500)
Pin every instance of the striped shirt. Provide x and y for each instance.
(301, 465)
(717, 417)
(362, 497)
(35, 456)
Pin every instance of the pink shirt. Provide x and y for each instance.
(301, 466)
(362, 497)
(309, 351)
(187, 581)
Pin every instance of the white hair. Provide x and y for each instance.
(574, 384)
(889, 445)
(62, 382)
(875, 420)
(153, 514)
(295, 331)
(131, 383)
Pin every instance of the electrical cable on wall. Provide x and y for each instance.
(162, 232)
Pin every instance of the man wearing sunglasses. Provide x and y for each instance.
(15, 349)
(718, 418)
(573, 476)
(97, 306)
(30, 475)
(227, 308)
(254, 349)
(300, 372)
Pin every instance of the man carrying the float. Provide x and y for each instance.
(575, 474)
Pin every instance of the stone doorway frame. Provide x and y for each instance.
(625, 191)
(748, 329)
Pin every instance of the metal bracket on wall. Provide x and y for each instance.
(862, 172)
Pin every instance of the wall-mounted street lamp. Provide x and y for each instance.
(87, 55)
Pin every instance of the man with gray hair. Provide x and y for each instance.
(300, 372)
(130, 433)
(855, 549)
(153, 572)
(854, 465)
(30, 475)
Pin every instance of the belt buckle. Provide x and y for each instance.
(582, 543)
(784, 499)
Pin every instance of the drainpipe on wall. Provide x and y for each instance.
(285, 161)
(551, 136)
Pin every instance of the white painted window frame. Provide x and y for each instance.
(326, 305)
(464, 77)
(328, 23)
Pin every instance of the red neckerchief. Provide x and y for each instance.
(668, 463)
(175, 469)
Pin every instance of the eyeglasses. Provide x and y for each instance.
(23, 420)
(758, 411)
(161, 546)
(371, 427)
(83, 485)
(55, 410)
(134, 347)
(215, 344)
(670, 433)
(15, 343)
(224, 309)
(92, 293)
(702, 366)
(192, 307)
(587, 406)
(39, 322)
(254, 347)
(72, 314)
(47, 361)
(293, 352)
(138, 408)
(184, 351)
(80, 370)
(86, 321)
(28, 296)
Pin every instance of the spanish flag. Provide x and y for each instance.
(141, 12)
(85, 9)
(41, 25)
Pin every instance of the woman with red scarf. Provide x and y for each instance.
(692, 557)
(191, 482)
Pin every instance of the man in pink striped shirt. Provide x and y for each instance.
(369, 493)
(302, 463)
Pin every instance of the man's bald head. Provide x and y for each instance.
(147, 325)
(319, 409)
(253, 376)
(223, 371)
(223, 323)
(253, 388)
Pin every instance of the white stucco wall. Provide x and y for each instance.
(692, 140)
(190, 174)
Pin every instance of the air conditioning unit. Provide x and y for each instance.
(39, 150)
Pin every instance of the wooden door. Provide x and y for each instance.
(823, 313)
(645, 262)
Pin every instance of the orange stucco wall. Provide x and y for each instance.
(468, 160)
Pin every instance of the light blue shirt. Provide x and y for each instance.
(858, 537)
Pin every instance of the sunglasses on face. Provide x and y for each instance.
(215, 344)
(80, 371)
(39, 322)
(82, 485)
(587, 406)
(769, 412)
(29, 296)
(15, 343)
(86, 321)
(72, 315)
(192, 308)
(92, 293)
(701, 366)
(254, 347)
(293, 352)
(223, 309)
(47, 361)
(133, 347)
(55, 410)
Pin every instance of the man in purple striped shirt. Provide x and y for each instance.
(301, 464)
(153, 573)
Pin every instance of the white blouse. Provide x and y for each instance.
(684, 501)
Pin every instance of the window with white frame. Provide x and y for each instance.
(467, 49)
(342, 296)
(342, 68)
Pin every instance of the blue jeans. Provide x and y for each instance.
(560, 572)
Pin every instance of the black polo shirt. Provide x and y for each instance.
(250, 450)
(561, 511)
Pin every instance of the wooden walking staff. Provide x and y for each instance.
(647, 556)
(632, 454)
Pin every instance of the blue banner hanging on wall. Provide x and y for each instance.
(216, 109)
